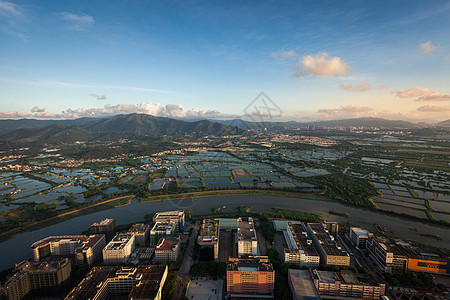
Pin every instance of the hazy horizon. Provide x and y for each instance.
(314, 60)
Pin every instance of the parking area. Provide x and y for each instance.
(205, 288)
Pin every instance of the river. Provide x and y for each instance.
(17, 248)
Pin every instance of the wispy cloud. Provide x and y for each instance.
(428, 48)
(102, 97)
(77, 21)
(9, 9)
(422, 94)
(347, 111)
(284, 54)
(11, 17)
(321, 65)
(94, 86)
(433, 109)
(362, 87)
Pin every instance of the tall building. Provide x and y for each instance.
(359, 237)
(80, 248)
(46, 279)
(119, 249)
(170, 216)
(143, 282)
(331, 253)
(386, 255)
(250, 276)
(208, 239)
(141, 234)
(106, 227)
(162, 229)
(247, 239)
(167, 249)
(301, 249)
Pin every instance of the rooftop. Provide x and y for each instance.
(164, 226)
(167, 243)
(327, 241)
(84, 240)
(249, 265)
(246, 229)
(302, 240)
(104, 222)
(302, 283)
(139, 228)
(119, 241)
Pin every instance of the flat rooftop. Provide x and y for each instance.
(249, 265)
(362, 233)
(104, 222)
(301, 239)
(302, 283)
(167, 243)
(84, 240)
(246, 229)
(328, 243)
(164, 226)
(139, 228)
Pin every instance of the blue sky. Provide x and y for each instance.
(194, 59)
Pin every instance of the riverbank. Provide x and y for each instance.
(17, 248)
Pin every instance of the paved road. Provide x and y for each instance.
(187, 261)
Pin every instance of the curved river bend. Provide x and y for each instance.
(17, 248)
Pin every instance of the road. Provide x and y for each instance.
(187, 261)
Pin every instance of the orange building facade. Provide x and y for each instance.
(251, 276)
(427, 265)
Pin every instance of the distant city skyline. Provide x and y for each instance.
(316, 60)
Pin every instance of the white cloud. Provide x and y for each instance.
(362, 87)
(102, 97)
(36, 109)
(347, 111)
(77, 21)
(428, 48)
(14, 115)
(321, 65)
(422, 94)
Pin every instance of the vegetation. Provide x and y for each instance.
(169, 286)
(213, 269)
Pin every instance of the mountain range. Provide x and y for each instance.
(120, 126)
(141, 125)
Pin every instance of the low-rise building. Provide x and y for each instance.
(331, 253)
(162, 229)
(345, 284)
(386, 255)
(359, 237)
(119, 249)
(142, 282)
(141, 234)
(301, 250)
(167, 249)
(208, 237)
(46, 279)
(80, 248)
(250, 276)
(247, 239)
(421, 259)
(171, 216)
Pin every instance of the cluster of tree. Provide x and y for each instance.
(169, 286)
(414, 280)
(213, 269)
(297, 215)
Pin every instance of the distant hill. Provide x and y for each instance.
(126, 126)
(445, 123)
(356, 122)
(7, 126)
(369, 122)
(54, 133)
(142, 124)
